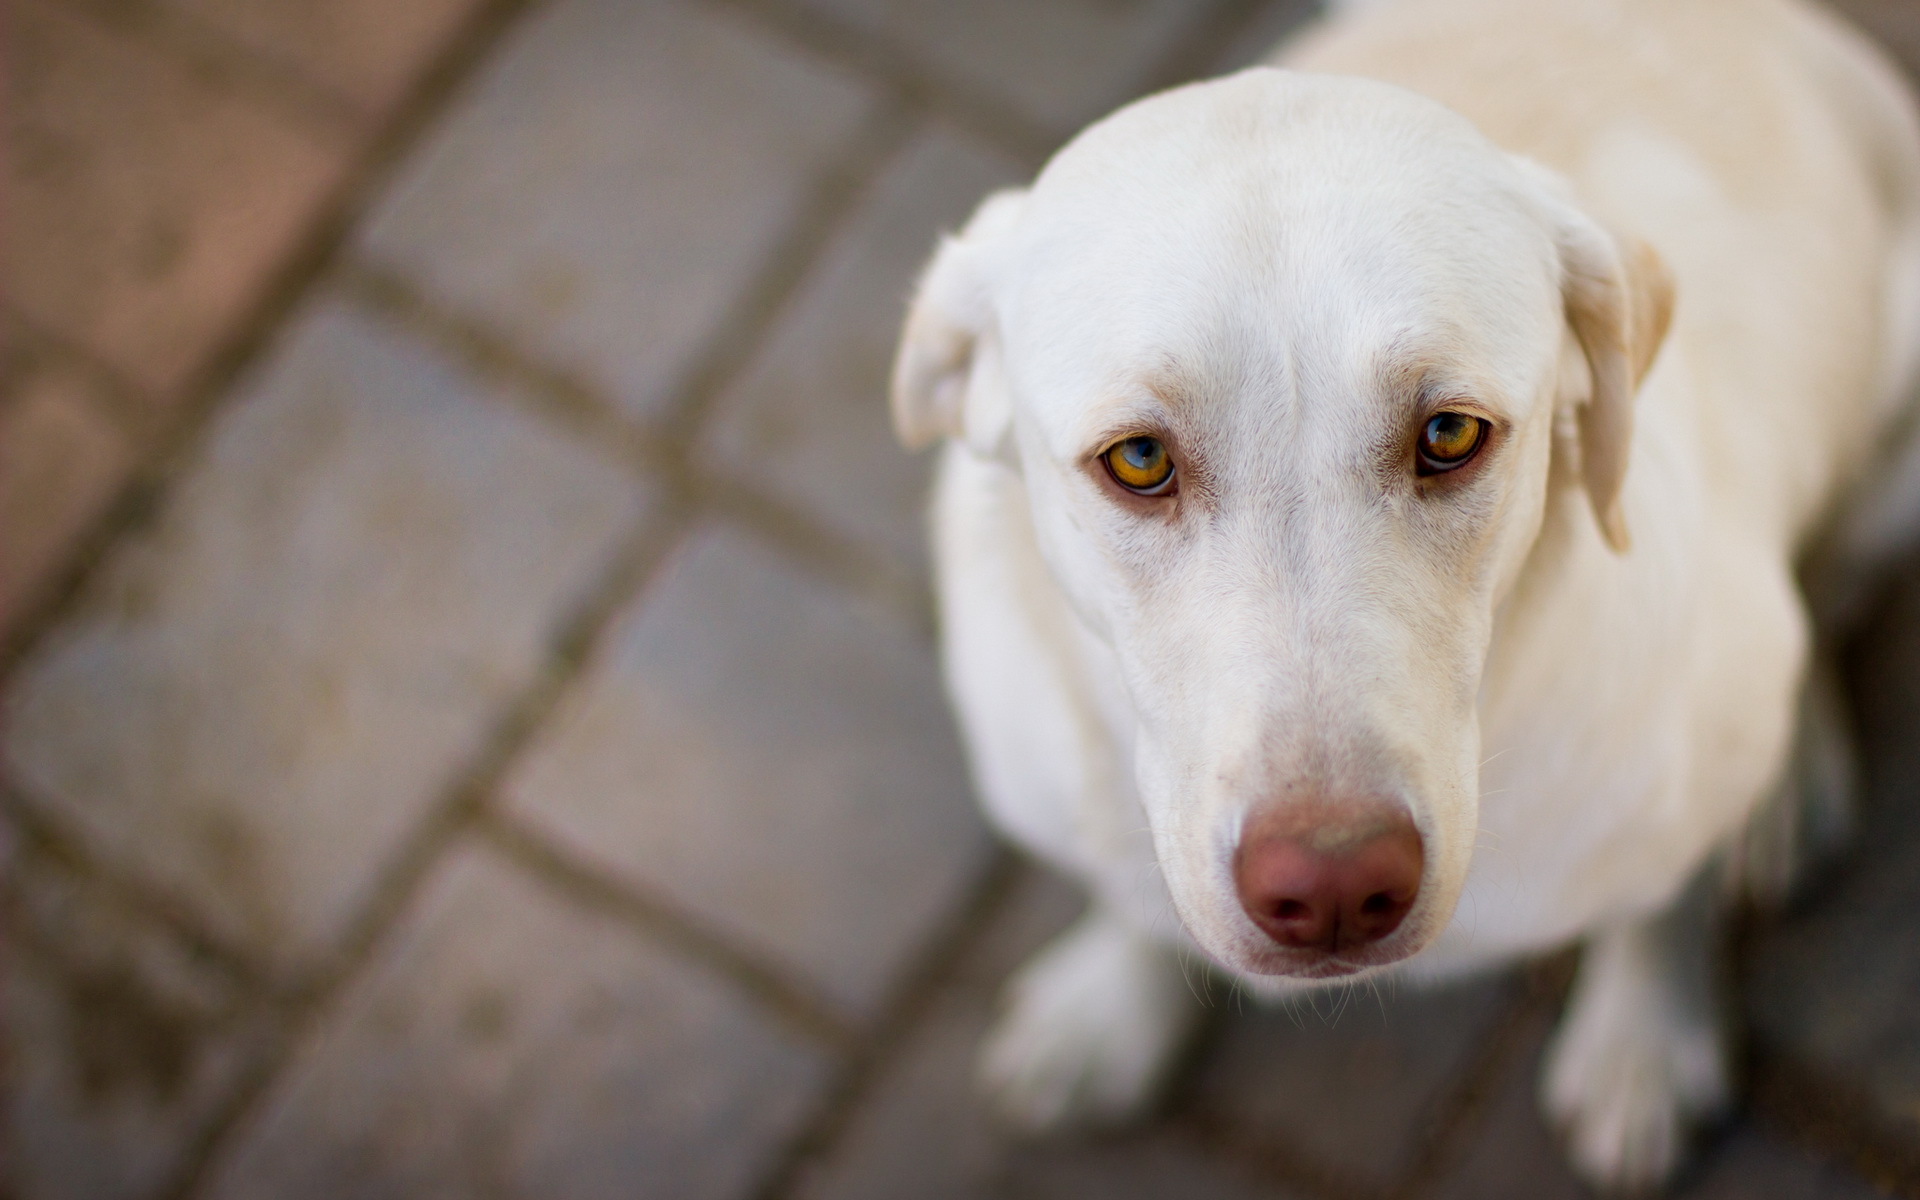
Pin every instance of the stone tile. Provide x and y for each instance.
(148, 207)
(1063, 62)
(119, 1042)
(1353, 1082)
(1509, 1152)
(505, 1043)
(61, 462)
(808, 420)
(365, 52)
(774, 756)
(267, 688)
(1830, 988)
(1156, 1165)
(921, 1130)
(613, 182)
(1748, 1164)
(1272, 25)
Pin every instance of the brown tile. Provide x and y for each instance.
(148, 206)
(365, 52)
(61, 462)
(507, 1043)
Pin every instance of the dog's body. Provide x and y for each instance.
(1272, 275)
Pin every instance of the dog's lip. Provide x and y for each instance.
(1283, 963)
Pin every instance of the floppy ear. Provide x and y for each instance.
(1619, 298)
(944, 382)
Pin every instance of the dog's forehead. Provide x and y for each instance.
(1274, 221)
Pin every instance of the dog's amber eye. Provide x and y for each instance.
(1448, 440)
(1141, 464)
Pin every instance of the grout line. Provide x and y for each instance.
(914, 83)
(560, 397)
(1499, 1055)
(139, 900)
(1460, 1110)
(742, 329)
(936, 964)
(818, 549)
(805, 1009)
(459, 808)
(288, 287)
(552, 393)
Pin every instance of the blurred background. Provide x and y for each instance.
(471, 727)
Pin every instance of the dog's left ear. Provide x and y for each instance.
(1619, 298)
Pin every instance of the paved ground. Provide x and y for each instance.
(471, 727)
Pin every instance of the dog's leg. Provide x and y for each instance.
(1089, 1029)
(1640, 1058)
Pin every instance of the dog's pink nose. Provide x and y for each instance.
(1329, 887)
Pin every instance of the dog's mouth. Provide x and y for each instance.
(1290, 963)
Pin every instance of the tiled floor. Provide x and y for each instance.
(471, 726)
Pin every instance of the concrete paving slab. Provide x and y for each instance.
(807, 421)
(773, 755)
(1509, 1153)
(152, 206)
(1155, 1165)
(121, 1042)
(1063, 62)
(267, 688)
(506, 1043)
(1352, 1083)
(1748, 1163)
(614, 180)
(921, 1130)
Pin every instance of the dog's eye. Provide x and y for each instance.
(1448, 440)
(1141, 464)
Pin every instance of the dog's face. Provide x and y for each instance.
(1285, 363)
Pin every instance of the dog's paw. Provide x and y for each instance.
(1090, 1028)
(1628, 1083)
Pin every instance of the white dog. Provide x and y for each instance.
(1368, 529)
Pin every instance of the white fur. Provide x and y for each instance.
(1579, 671)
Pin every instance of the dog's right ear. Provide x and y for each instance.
(938, 389)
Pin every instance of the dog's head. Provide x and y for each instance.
(1285, 362)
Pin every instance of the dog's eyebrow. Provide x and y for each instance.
(1420, 378)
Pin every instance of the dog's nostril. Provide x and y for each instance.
(1307, 898)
